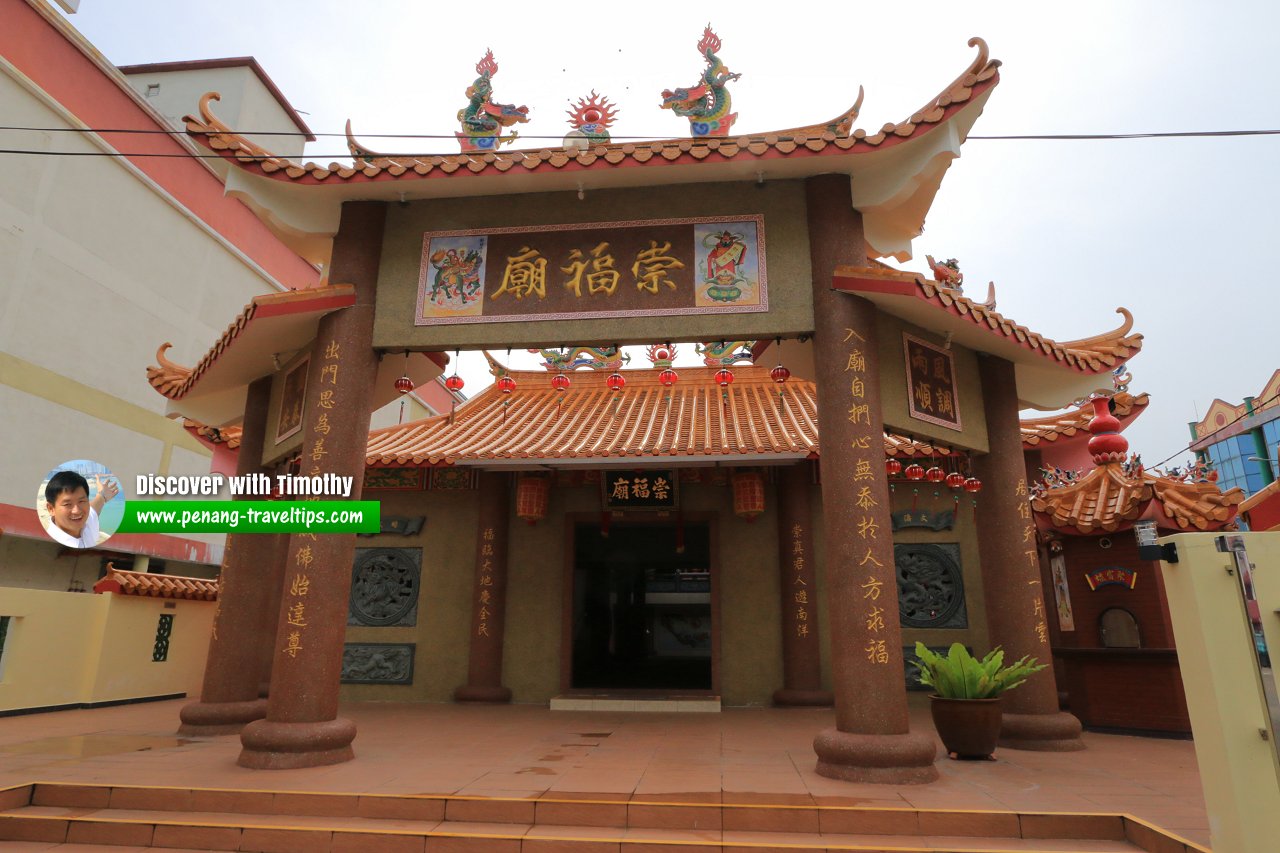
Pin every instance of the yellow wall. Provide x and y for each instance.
(70, 648)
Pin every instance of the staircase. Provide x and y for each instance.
(284, 822)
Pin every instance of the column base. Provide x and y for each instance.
(1054, 732)
(903, 759)
(789, 697)
(481, 693)
(270, 745)
(201, 719)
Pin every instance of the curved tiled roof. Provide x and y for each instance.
(1088, 355)
(589, 421)
(230, 436)
(1076, 422)
(832, 138)
(156, 586)
(173, 380)
(1108, 499)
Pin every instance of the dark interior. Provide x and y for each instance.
(641, 608)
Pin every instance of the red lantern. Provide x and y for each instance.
(532, 494)
(748, 495)
(668, 377)
(724, 377)
(616, 381)
(914, 472)
(454, 383)
(892, 467)
(506, 384)
(972, 485)
(560, 382)
(955, 480)
(935, 475)
(779, 374)
(404, 384)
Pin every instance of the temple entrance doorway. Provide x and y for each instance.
(642, 615)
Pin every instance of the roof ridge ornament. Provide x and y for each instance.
(169, 376)
(707, 105)
(590, 119)
(725, 353)
(483, 120)
(594, 358)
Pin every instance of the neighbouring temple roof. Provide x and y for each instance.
(1118, 492)
(156, 586)
(894, 192)
(1074, 424)
(692, 421)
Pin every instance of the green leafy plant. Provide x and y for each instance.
(960, 675)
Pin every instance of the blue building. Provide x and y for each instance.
(1242, 441)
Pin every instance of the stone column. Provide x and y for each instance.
(229, 695)
(270, 584)
(302, 727)
(489, 595)
(797, 576)
(1011, 582)
(871, 741)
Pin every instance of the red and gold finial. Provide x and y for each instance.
(487, 66)
(710, 41)
(1107, 444)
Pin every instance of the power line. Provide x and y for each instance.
(1179, 134)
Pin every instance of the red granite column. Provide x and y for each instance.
(797, 575)
(489, 596)
(270, 582)
(1011, 572)
(871, 741)
(229, 695)
(302, 727)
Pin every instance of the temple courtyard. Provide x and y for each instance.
(523, 752)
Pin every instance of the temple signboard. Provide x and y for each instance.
(640, 490)
(708, 265)
(931, 383)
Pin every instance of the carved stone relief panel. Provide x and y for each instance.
(384, 587)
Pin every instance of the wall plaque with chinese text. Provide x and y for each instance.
(1112, 576)
(932, 395)
(652, 489)
(708, 265)
(291, 398)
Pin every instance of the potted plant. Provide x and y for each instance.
(966, 700)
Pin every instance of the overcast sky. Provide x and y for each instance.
(1176, 230)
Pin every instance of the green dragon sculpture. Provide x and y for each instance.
(706, 105)
(483, 120)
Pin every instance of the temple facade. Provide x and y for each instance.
(593, 532)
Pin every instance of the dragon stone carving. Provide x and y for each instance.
(483, 120)
(707, 105)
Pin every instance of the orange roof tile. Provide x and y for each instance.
(832, 138)
(589, 421)
(1108, 499)
(1088, 355)
(157, 586)
(230, 436)
(174, 381)
(1075, 423)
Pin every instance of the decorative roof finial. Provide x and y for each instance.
(590, 119)
(707, 105)
(482, 119)
(1107, 444)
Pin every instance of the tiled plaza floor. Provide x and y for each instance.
(737, 756)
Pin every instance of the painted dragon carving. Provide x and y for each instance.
(483, 120)
(595, 358)
(707, 105)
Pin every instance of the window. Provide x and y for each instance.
(164, 630)
(1118, 629)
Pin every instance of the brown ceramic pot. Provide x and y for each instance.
(969, 728)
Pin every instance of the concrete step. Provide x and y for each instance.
(282, 822)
